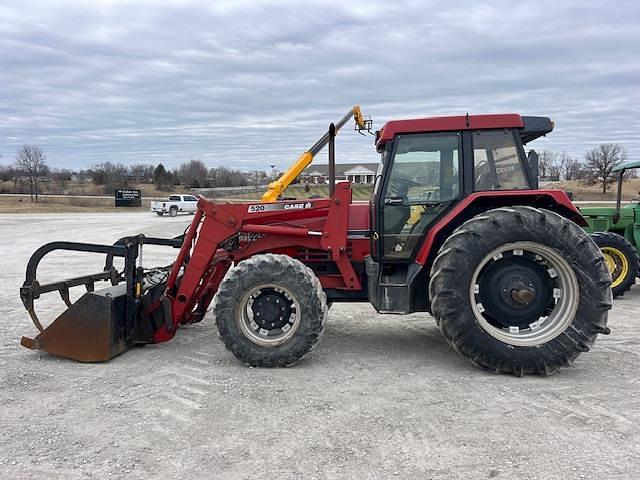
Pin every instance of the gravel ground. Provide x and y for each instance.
(381, 397)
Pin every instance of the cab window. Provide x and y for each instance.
(497, 161)
(422, 181)
(174, 198)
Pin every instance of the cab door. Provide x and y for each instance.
(420, 179)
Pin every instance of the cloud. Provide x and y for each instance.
(252, 83)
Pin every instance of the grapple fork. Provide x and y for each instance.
(103, 323)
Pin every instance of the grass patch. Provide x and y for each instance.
(583, 192)
(21, 204)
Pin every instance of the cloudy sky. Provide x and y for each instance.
(249, 83)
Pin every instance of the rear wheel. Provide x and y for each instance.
(520, 290)
(173, 211)
(270, 310)
(621, 259)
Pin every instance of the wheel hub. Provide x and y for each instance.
(524, 293)
(268, 314)
(271, 310)
(523, 296)
(513, 289)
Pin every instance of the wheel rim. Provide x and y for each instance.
(268, 314)
(617, 264)
(524, 294)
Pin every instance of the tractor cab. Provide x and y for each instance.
(429, 166)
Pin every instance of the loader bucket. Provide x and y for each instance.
(91, 330)
(102, 323)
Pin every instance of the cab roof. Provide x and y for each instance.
(531, 127)
(627, 166)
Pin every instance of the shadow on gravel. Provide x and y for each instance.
(363, 343)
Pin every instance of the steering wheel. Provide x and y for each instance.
(400, 186)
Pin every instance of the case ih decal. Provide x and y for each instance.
(267, 207)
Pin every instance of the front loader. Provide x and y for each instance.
(456, 227)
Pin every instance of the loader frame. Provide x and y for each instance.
(221, 234)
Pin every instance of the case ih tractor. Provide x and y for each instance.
(617, 232)
(456, 227)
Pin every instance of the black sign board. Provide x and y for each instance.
(128, 198)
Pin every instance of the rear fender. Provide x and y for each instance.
(478, 202)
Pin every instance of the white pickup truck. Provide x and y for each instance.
(175, 204)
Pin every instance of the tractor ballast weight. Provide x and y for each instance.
(442, 234)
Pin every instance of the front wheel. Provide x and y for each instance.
(520, 290)
(270, 310)
(621, 259)
(159, 214)
(173, 211)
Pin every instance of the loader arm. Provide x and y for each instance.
(206, 255)
(276, 188)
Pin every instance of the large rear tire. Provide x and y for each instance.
(520, 290)
(270, 310)
(621, 259)
(173, 211)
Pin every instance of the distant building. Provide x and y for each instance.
(360, 173)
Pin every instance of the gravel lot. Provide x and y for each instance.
(382, 396)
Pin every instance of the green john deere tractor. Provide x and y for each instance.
(616, 230)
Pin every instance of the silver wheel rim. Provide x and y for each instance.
(248, 321)
(566, 295)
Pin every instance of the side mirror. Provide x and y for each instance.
(532, 160)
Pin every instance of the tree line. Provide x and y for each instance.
(596, 168)
(31, 169)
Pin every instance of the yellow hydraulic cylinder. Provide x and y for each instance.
(276, 188)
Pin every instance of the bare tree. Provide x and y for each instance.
(546, 160)
(573, 169)
(110, 175)
(257, 178)
(558, 166)
(194, 174)
(17, 175)
(61, 176)
(32, 161)
(142, 172)
(601, 161)
(227, 177)
(5, 173)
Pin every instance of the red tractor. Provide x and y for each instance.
(456, 227)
